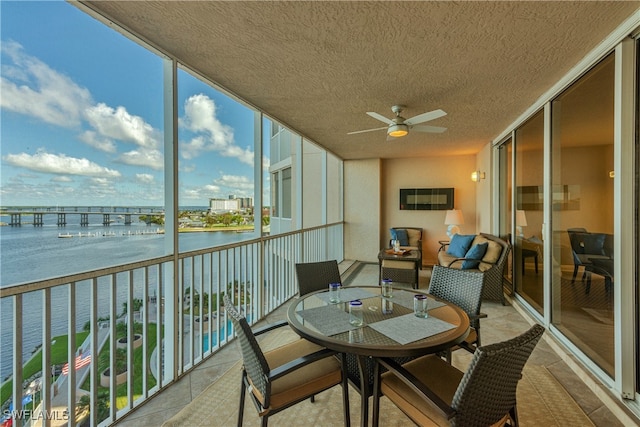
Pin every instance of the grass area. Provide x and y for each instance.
(121, 390)
(34, 365)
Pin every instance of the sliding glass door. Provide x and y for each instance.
(528, 254)
(582, 152)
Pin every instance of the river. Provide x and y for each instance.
(29, 253)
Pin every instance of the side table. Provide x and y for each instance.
(399, 268)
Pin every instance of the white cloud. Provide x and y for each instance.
(31, 87)
(201, 117)
(59, 164)
(193, 148)
(102, 182)
(232, 182)
(61, 179)
(148, 158)
(119, 124)
(94, 140)
(144, 178)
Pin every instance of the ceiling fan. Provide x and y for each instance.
(399, 126)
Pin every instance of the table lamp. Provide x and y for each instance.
(453, 219)
(521, 221)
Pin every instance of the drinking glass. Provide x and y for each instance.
(396, 245)
(355, 312)
(356, 335)
(420, 308)
(387, 306)
(387, 288)
(334, 292)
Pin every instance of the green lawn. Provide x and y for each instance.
(58, 357)
(121, 390)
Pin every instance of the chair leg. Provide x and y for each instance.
(575, 273)
(242, 398)
(265, 421)
(513, 413)
(376, 394)
(345, 390)
(313, 399)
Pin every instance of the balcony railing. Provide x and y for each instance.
(170, 322)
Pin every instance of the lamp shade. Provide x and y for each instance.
(454, 217)
(521, 218)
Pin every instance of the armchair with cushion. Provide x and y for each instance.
(409, 237)
(594, 252)
(432, 392)
(484, 255)
(283, 377)
(585, 247)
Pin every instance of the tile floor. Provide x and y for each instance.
(503, 322)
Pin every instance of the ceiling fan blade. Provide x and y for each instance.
(366, 130)
(380, 117)
(432, 129)
(425, 117)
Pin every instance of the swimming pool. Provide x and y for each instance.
(214, 338)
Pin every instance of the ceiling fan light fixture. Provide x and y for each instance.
(398, 130)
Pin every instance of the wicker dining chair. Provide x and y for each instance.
(432, 392)
(282, 377)
(464, 289)
(316, 276)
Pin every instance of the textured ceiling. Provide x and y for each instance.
(318, 66)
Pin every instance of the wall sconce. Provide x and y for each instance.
(476, 176)
(453, 219)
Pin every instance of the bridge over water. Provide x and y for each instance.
(39, 212)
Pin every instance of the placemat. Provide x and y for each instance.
(328, 320)
(348, 294)
(405, 299)
(409, 328)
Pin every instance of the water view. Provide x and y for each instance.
(29, 253)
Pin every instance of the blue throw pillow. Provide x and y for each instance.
(460, 244)
(394, 235)
(403, 237)
(474, 255)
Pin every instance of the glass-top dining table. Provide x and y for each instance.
(390, 329)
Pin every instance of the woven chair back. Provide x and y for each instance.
(255, 364)
(460, 287)
(488, 388)
(316, 276)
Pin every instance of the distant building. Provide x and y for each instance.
(233, 203)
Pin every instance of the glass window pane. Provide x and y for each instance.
(506, 206)
(216, 166)
(582, 157)
(528, 248)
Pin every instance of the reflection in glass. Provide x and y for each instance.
(505, 211)
(582, 215)
(528, 216)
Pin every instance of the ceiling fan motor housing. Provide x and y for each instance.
(398, 129)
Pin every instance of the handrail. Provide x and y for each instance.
(259, 271)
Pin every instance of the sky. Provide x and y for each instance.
(81, 118)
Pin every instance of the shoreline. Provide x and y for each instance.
(245, 228)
